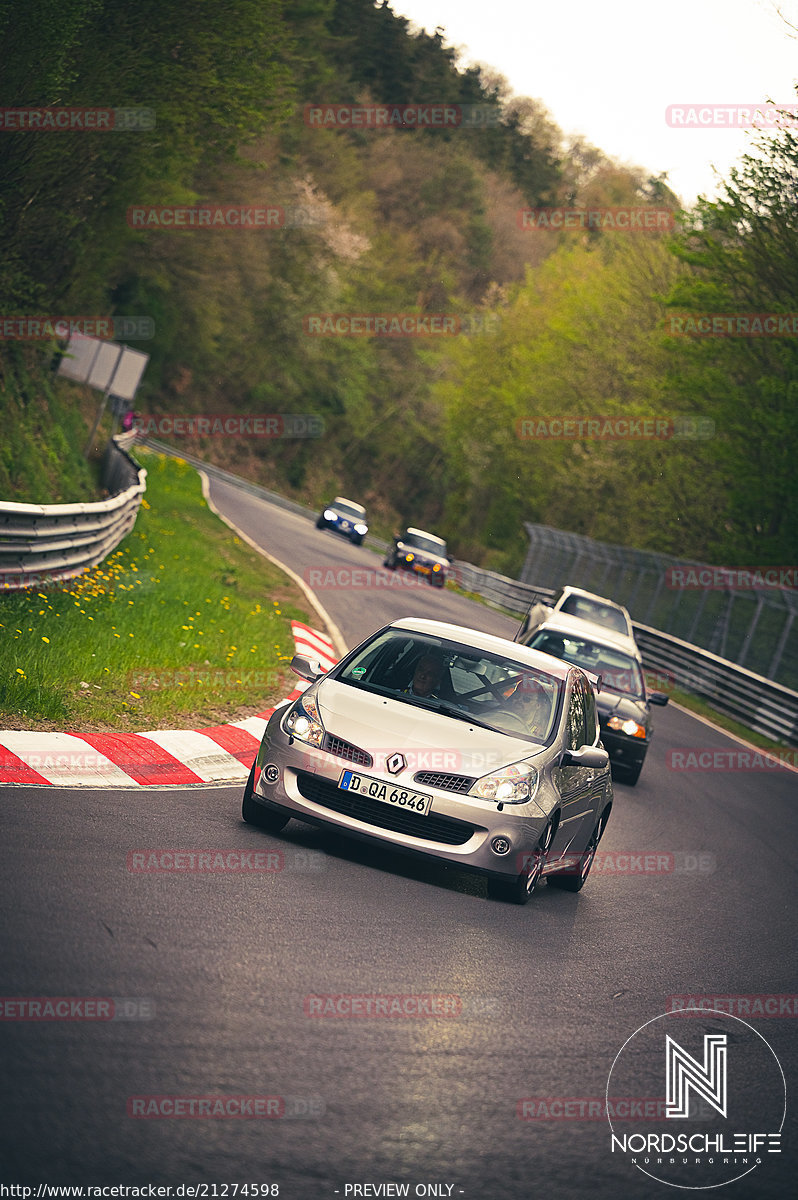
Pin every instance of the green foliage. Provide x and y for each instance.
(742, 251)
(181, 619)
(404, 221)
(45, 430)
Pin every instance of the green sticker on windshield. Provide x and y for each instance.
(358, 670)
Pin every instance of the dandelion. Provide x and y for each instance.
(20, 672)
(135, 695)
(44, 639)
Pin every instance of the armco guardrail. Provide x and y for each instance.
(42, 543)
(511, 594)
(761, 705)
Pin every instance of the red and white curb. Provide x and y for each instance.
(221, 754)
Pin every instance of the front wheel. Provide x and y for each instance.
(390, 564)
(255, 814)
(574, 881)
(518, 890)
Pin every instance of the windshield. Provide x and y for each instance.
(348, 509)
(593, 610)
(457, 680)
(619, 672)
(433, 545)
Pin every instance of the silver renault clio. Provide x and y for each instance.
(443, 741)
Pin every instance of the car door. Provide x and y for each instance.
(581, 788)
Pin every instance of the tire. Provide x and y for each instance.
(357, 539)
(437, 581)
(321, 523)
(575, 881)
(627, 775)
(390, 564)
(519, 890)
(255, 814)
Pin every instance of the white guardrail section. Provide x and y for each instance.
(757, 703)
(45, 543)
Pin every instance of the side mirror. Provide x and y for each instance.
(586, 756)
(658, 698)
(306, 668)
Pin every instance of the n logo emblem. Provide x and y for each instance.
(683, 1072)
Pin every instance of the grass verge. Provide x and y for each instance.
(183, 625)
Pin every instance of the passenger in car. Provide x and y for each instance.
(532, 705)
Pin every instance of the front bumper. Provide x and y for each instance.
(415, 567)
(302, 781)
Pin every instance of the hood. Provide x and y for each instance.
(609, 703)
(428, 740)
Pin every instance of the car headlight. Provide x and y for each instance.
(362, 529)
(632, 728)
(409, 557)
(303, 722)
(511, 785)
(436, 566)
(329, 515)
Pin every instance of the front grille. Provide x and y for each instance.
(433, 827)
(446, 781)
(341, 749)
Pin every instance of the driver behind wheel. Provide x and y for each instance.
(426, 677)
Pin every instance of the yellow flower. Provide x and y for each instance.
(135, 695)
(20, 671)
(44, 639)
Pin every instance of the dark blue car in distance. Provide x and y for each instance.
(345, 517)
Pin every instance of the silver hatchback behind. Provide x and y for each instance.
(442, 741)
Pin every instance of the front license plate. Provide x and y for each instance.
(421, 570)
(377, 789)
